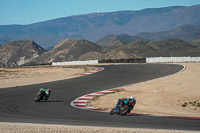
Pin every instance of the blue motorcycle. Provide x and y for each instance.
(123, 107)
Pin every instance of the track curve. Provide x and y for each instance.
(17, 104)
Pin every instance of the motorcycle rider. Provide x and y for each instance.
(124, 100)
(45, 92)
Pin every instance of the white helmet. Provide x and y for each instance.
(132, 97)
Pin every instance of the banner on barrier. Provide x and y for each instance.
(75, 63)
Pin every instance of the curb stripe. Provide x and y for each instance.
(98, 69)
(90, 95)
(100, 93)
(79, 102)
(81, 105)
(84, 99)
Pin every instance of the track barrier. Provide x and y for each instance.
(172, 59)
(133, 60)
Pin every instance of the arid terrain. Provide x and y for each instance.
(175, 95)
(164, 96)
(42, 128)
(11, 77)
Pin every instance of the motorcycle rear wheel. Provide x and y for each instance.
(124, 111)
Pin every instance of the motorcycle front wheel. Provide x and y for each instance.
(37, 98)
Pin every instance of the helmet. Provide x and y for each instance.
(134, 100)
(48, 89)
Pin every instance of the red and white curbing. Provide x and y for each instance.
(98, 69)
(81, 102)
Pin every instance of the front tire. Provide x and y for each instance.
(112, 111)
(37, 98)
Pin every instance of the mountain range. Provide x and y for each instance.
(184, 32)
(29, 53)
(94, 26)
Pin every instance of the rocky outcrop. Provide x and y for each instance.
(17, 53)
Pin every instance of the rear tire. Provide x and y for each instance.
(124, 111)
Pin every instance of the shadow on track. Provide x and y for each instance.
(51, 101)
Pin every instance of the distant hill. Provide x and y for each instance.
(94, 26)
(184, 32)
(122, 37)
(68, 50)
(195, 42)
(166, 48)
(131, 50)
(174, 47)
(71, 49)
(17, 53)
(116, 43)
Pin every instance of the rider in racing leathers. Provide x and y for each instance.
(46, 93)
(121, 101)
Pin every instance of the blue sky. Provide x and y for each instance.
(31, 11)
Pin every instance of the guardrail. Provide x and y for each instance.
(172, 59)
(132, 60)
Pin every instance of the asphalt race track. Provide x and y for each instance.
(17, 103)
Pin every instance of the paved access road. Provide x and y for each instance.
(17, 103)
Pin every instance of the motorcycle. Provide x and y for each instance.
(42, 95)
(123, 107)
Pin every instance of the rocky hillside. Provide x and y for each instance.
(94, 26)
(68, 50)
(166, 48)
(71, 49)
(29, 53)
(122, 37)
(174, 47)
(195, 42)
(17, 53)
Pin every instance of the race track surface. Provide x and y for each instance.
(17, 103)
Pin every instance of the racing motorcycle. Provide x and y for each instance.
(42, 95)
(123, 107)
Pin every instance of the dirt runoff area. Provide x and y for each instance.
(163, 96)
(42, 128)
(11, 77)
(175, 95)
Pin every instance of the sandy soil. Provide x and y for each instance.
(41, 128)
(164, 96)
(10, 77)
